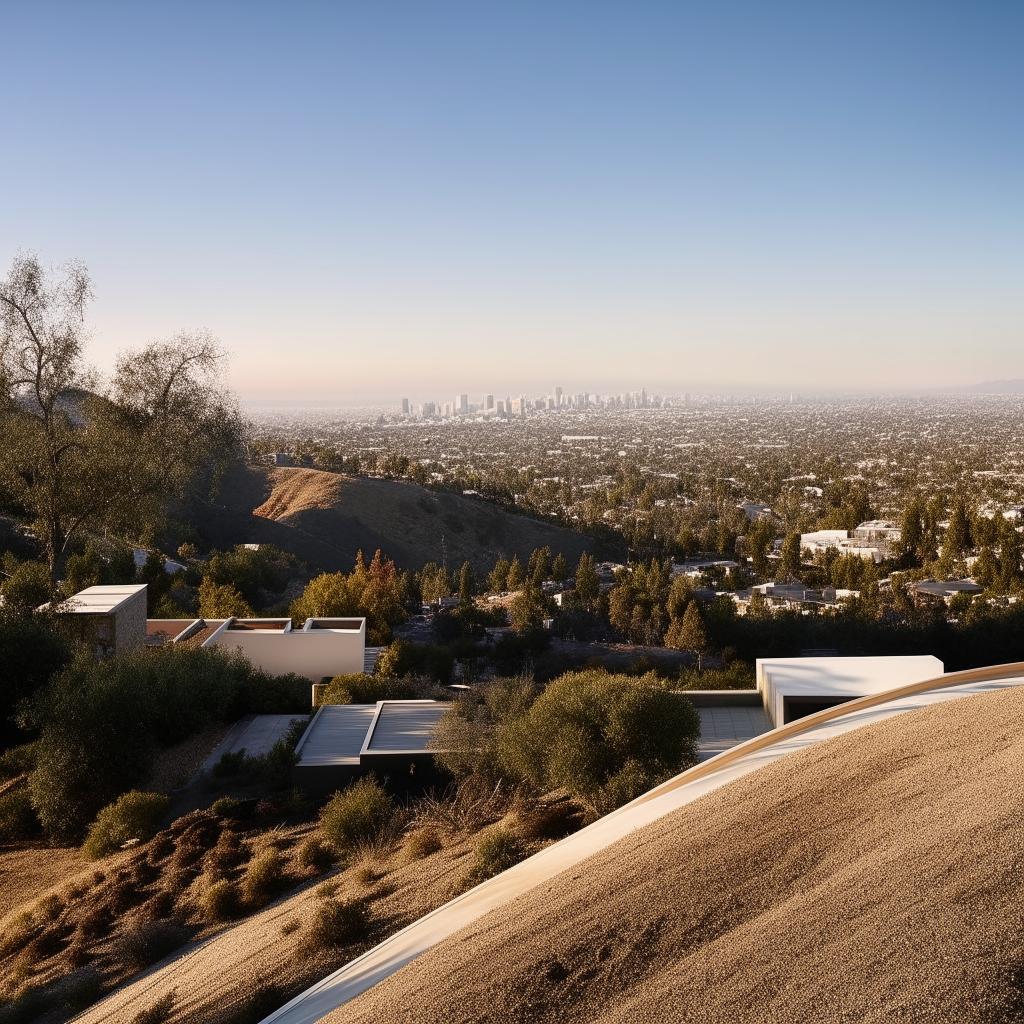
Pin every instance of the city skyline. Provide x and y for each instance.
(359, 202)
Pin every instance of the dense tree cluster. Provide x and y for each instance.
(378, 592)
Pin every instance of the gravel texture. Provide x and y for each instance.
(878, 876)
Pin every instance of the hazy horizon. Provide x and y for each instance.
(366, 204)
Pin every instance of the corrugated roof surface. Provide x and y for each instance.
(405, 725)
(336, 735)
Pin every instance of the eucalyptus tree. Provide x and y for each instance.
(81, 454)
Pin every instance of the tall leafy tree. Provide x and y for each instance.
(81, 455)
(958, 533)
(588, 586)
(467, 586)
(789, 556)
(516, 577)
(559, 568)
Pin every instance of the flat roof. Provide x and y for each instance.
(403, 726)
(164, 631)
(778, 678)
(345, 625)
(101, 600)
(336, 734)
(265, 625)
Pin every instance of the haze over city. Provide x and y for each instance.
(365, 203)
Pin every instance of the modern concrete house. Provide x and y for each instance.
(794, 687)
(390, 739)
(113, 619)
(106, 619)
(321, 648)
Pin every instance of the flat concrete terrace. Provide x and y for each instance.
(255, 734)
(724, 727)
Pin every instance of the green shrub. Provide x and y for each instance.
(338, 923)
(17, 761)
(604, 738)
(315, 854)
(32, 651)
(496, 850)
(738, 675)
(357, 814)
(431, 661)
(264, 876)
(231, 762)
(366, 689)
(540, 821)
(132, 816)
(220, 901)
(18, 820)
(102, 722)
(226, 807)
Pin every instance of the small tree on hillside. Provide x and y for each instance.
(497, 580)
(691, 634)
(467, 586)
(789, 557)
(528, 610)
(559, 568)
(516, 576)
(588, 586)
(221, 601)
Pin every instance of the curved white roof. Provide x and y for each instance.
(385, 959)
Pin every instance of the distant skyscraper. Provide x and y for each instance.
(462, 404)
(405, 406)
(489, 402)
(558, 396)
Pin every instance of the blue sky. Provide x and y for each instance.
(374, 199)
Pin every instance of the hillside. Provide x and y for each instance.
(325, 518)
(874, 877)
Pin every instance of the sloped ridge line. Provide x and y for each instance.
(397, 950)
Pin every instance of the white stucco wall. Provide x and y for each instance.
(313, 654)
(778, 678)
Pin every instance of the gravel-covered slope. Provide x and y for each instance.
(878, 876)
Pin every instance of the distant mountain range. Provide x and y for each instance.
(997, 387)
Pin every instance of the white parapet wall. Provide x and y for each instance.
(321, 648)
(787, 684)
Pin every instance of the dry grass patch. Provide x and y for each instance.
(337, 923)
(421, 842)
(220, 901)
(145, 943)
(315, 854)
(264, 877)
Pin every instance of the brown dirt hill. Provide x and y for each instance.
(325, 518)
(876, 877)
